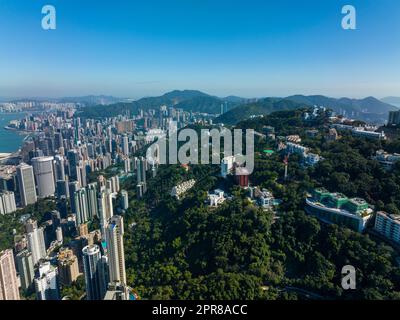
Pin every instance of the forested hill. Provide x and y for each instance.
(368, 109)
(348, 165)
(188, 100)
(260, 108)
(183, 249)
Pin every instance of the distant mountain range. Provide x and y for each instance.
(192, 100)
(188, 100)
(367, 105)
(369, 109)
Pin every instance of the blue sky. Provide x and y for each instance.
(223, 47)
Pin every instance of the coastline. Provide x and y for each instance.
(19, 130)
(11, 139)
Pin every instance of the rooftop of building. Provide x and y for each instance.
(395, 217)
(338, 195)
(268, 151)
(218, 191)
(321, 190)
(323, 198)
(241, 171)
(358, 201)
(91, 249)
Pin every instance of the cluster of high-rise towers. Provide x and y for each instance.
(60, 165)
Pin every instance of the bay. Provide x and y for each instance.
(10, 141)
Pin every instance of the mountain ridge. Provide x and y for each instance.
(261, 107)
(188, 100)
(367, 109)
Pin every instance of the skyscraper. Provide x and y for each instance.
(106, 210)
(81, 174)
(55, 219)
(101, 182)
(112, 184)
(394, 118)
(77, 124)
(124, 199)
(92, 200)
(115, 250)
(94, 275)
(57, 140)
(62, 206)
(73, 187)
(62, 189)
(59, 167)
(81, 206)
(59, 235)
(7, 182)
(68, 268)
(46, 282)
(26, 183)
(36, 243)
(127, 165)
(125, 145)
(25, 268)
(104, 274)
(141, 166)
(83, 230)
(43, 170)
(73, 160)
(140, 190)
(153, 170)
(7, 202)
(8, 276)
(91, 150)
(141, 170)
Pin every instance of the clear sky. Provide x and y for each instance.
(223, 47)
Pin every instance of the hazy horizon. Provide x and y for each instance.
(5, 98)
(134, 98)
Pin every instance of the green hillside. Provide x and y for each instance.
(261, 107)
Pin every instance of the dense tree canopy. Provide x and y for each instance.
(186, 250)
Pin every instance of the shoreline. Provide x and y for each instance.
(23, 134)
(27, 132)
